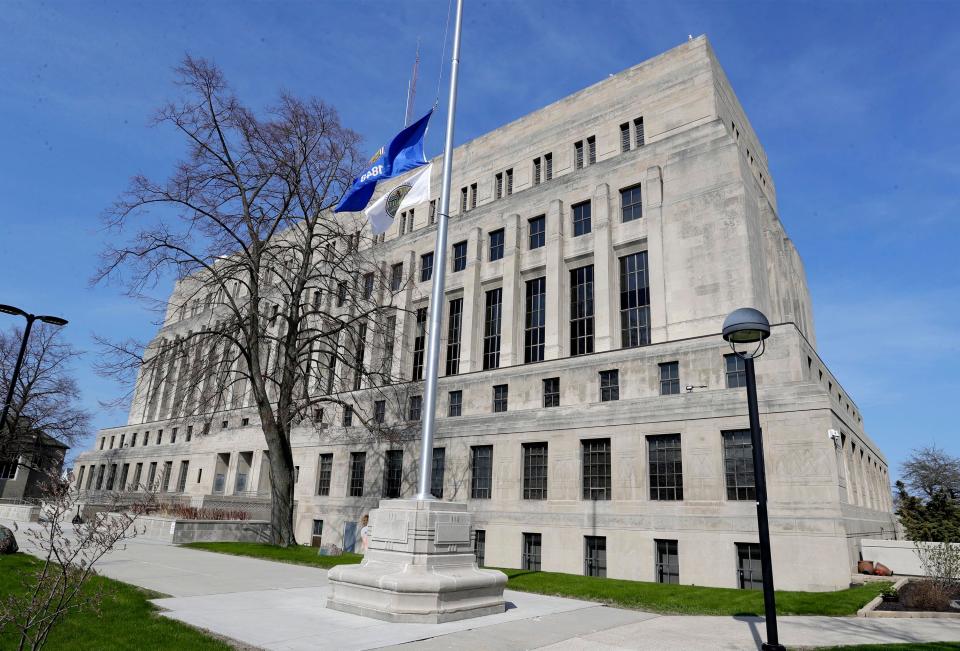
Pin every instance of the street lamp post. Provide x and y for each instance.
(16, 311)
(749, 326)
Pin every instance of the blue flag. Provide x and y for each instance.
(404, 153)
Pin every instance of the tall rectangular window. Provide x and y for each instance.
(595, 463)
(392, 474)
(666, 467)
(609, 385)
(496, 244)
(534, 471)
(419, 342)
(389, 340)
(667, 562)
(167, 471)
(454, 403)
(581, 218)
(537, 229)
(749, 566)
(137, 471)
(491, 329)
(112, 475)
(348, 415)
(669, 378)
(591, 150)
(594, 555)
(358, 466)
(530, 558)
(625, 137)
(453, 336)
(426, 267)
(459, 256)
(500, 397)
(436, 477)
(473, 196)
(534, 333)
(479, 546)
(368, 285)
(432, 214)
(415, 408)
(578, 155)
(551, 392)
(316, 534)
(341, 294)
(403, 222)
(509, 180)
(537, 170)
(631, 204)
(379, 411)
(361, 346)
(581, 310)
(547, 167)
(638, 131)
(396, 277)
(481, 471)
(498, 186)
(463, 200)
(634, 300)
(324, 474)
(736, 371)
(182, 477)
(738, 465)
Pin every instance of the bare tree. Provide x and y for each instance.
(46, 397)
(931, 470)
(68, 554)
(280, 304)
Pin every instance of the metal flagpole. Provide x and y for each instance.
(439, 278)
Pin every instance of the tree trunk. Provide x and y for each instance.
(281, 495)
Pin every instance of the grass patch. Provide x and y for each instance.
(653, 597)
(128, 620)
(297, 554)
(689, 599)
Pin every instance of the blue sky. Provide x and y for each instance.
(857, 105)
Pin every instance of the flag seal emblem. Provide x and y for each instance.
(395, 198)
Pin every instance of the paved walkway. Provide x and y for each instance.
(279, 606)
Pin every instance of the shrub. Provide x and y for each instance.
(926, 595)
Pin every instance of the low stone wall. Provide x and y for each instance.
(172, 530)
(20, 512)
(899, 555)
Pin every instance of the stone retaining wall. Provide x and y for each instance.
(20, 512)
(178, 532)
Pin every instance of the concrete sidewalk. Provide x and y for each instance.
(280, 606)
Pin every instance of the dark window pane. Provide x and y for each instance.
(534, 332)
(496, 245)
(736, 371)
(453, 336)
(738, 465)
(581, 310)
(581, 218)
(634, 300)
(459, 256)
(392, 473)
(426, 267)
(491, 329)
(595, 464)
(358, 466)
(500, 393)
(419, 342)
(537, 231)
(534, 471)
(668, 562)
(631, 205)
(749, 567)
(456, 403)
(530, 558)
(666, 467)
(551, 392)
(669, 378)
(609, 385)
(481, 471)
(436, 477)
(595, 556)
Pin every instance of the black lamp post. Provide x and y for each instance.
(16, 311)
(750, 327)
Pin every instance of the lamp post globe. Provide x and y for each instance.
(746, 325)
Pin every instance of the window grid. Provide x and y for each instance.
(634, 300)
(609, 385)
(631, 203)
(491, 329)
(581, 310)
(738, 465)
(379, 410)
(666, 467)
(348, 416)
(396, 276)
(496, 245)
(596, 469)
(551, 392)
(454, 322)
(749, 567)
(669, 378)
(436, 477)
(667, 562)
(500, 395)
(534, 333)
(595, 556)
(325, 474)
(368, 285)
(530, 558)
(455, 404)
(736, 371)
(534, 471)
(581, 218)
(480, 545)
(459, 256)
(481, 471)
(415, 408)
(419, 342)
(358, 466)
(426, 267)
(393, 474)
(537, 231)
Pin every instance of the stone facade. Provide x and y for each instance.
(683, 210)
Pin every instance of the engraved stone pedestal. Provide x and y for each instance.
(419, 567)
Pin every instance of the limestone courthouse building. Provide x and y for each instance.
(589, 412)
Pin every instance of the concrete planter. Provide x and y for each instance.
(178, 532)
(20, 512)
(870, 610)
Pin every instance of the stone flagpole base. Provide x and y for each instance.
(419, 567)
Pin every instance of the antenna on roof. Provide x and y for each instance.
(412, 87)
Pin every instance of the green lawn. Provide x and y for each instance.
(654, 597)
(298, 554)
(127, 619)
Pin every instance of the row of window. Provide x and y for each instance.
(224, 424)
(105, 477)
